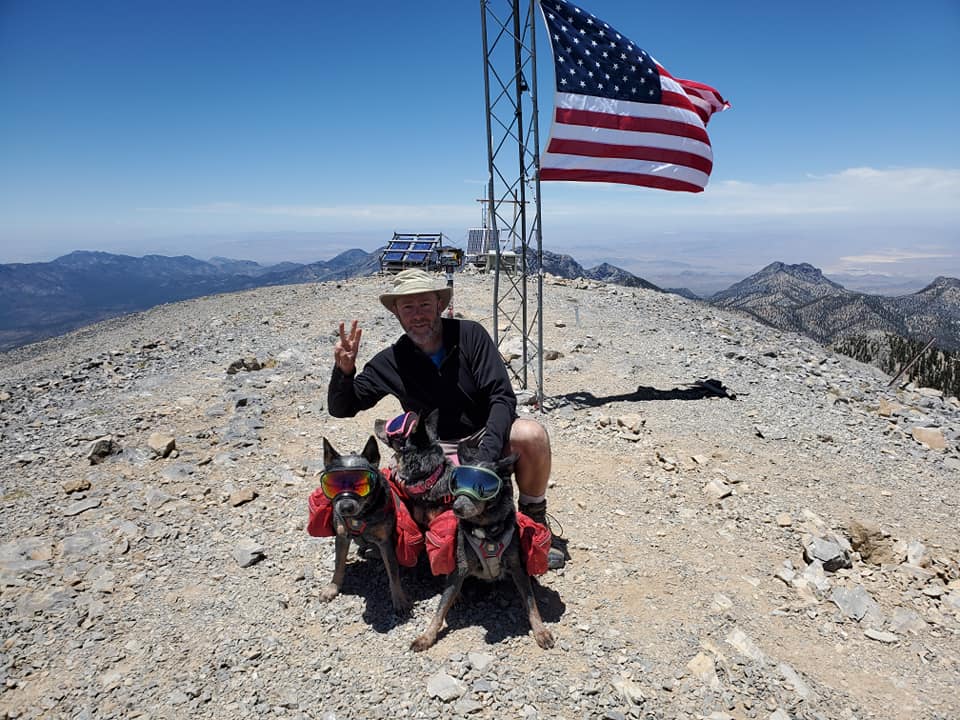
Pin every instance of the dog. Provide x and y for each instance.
(422, 469)
(487, 541)
(364, 509)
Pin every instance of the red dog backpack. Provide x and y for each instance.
(441, 543)
(409, 538)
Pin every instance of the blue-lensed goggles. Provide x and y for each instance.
(476, 482)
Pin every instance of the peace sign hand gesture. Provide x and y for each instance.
(345, 351)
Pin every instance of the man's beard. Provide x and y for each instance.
(426, 335)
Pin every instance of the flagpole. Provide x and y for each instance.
(518, 88)
(512, 171)
(538, 218)
(491, 211)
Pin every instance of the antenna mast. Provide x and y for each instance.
(513, 192)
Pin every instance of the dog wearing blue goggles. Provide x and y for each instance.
(475, 482)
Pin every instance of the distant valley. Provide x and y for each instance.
(41, 300)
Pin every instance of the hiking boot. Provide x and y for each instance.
(557, 555)
(556, 558)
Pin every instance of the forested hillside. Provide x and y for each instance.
(935, 368)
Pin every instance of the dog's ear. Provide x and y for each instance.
(329, 454)
(418, 431)
(504, 466)
(371, 452)
(433, 419)
(468, 450)
(380, 430)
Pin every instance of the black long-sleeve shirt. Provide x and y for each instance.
(470, 388)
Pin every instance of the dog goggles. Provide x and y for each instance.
(357, 481)
(476, 482)
(401, 426)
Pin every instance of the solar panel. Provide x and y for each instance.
(407, 250)
(479, 240)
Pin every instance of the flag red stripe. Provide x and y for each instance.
(707, 101)
(672, 99)
(653, 181)
(707, 93)
(676, 99)
(632, 152)
(698, 106)
(589, 118)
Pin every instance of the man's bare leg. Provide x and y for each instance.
(529, 440)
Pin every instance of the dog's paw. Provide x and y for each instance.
(329, 592)
(423, 642)
(544, 638)
(402, 605)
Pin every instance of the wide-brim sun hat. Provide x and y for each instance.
(413, 282)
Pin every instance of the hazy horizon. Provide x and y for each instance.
(698, 277)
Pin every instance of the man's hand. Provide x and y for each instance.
(345, 351)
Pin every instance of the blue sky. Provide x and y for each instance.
(295, 130)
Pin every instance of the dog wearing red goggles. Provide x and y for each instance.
(488, 540)
(364, 509)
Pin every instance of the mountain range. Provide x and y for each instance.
(801, 299)
(40, 300)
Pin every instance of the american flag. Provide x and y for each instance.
(619, 116)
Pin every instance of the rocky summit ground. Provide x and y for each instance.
(790, 553)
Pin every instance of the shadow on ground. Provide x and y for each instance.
(496, 607)
(697, 390)
(493, 605)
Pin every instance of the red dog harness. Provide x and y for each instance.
(421, 486)
(440, 538)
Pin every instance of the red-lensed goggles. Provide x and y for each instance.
(401, 426)
(357, 481)
(476, 482)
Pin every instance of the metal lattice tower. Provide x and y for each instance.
(513, 193)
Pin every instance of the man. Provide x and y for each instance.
(450, 365)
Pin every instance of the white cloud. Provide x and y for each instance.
(854, 192)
